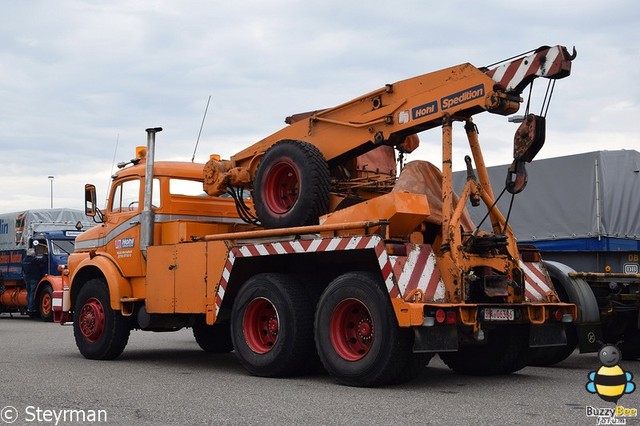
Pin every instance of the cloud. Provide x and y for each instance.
(80, 81)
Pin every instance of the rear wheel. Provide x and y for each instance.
(504, 352)
(544, 357)
(357, 335)
(214, 338)
(291, 187)
(45, 303)
(272, 326)
(99, 331)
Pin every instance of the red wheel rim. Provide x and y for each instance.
(45, 304)
(281, 187)
(91, 319)
(351, 330)
(261, 325)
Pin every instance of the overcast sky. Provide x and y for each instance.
(80, 80)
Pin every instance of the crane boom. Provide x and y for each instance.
(388, 115)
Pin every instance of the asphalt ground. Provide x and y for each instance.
(165, 379)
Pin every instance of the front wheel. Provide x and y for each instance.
(99, 331)
(357, 335)
(45, 306)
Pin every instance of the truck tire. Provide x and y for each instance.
(505, 352)
(272, 326)
(214, 338)
(358, 337)
(570, 291)
(45, 306)
(100, 332)
(291, 186)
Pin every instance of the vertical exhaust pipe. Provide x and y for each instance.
(147, 218)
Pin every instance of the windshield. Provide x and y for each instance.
(62, 247)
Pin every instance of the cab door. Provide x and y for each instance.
(122, 226)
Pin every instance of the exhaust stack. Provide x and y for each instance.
(147, 219)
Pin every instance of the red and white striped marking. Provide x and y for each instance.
(419, 271)
(401, 275)
(56, 300)
(537, 281)
(511, 74)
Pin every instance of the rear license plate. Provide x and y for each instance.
(499, 314)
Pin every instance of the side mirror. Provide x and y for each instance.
(90, 200)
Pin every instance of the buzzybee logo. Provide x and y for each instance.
(610, 381)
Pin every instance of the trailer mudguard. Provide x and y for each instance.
(578, 292)
(102, 266)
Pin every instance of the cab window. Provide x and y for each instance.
(126, 196)
(192, 188)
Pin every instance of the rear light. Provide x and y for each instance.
(567, 318)
(557, 315)
(451, 317)
(440, 317)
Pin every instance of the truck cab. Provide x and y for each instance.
(55, 247)
(180, 210)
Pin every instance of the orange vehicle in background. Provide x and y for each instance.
(332, 259)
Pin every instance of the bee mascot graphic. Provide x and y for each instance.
(610, 382)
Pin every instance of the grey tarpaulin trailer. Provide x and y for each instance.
(583, 212)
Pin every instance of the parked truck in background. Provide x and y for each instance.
(33, 243)
(582, 212)
(331, 260)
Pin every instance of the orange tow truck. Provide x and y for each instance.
(306, 251)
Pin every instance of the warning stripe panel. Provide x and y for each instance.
(401, 274)
(512, 74)
(309, 246)
(537, 281)
(421, 272)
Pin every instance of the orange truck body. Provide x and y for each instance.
(391, 280)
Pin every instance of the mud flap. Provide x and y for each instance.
(546, 335)
(435, 339)
(589, 337)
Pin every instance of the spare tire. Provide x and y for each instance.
(291, 187)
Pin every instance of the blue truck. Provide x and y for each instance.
(583, 213)
(33, 243)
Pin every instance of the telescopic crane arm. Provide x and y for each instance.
(389, 114)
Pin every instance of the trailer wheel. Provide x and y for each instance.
(45, 303)
(100, 332)
(545, 357)
(291, 186)
(214, 338)
(272, 326)
(504, 352)
(357, 335)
